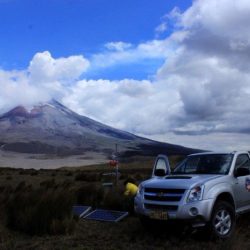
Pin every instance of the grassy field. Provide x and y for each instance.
(35, 213)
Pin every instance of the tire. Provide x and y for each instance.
(222, 222)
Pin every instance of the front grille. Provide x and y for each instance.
(161, 207)
(162, 194)
(164, 190)
(162, 198)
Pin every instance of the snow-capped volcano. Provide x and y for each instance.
(52, 128)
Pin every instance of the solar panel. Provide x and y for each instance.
(81, 210)
(106, 215)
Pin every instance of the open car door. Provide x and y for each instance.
(161, 166)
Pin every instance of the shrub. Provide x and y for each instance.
(65, 226)
(80, 177)
(88, 177)
(5, 194)
(22, 172)
(21, 184)
(41, 212)
(67, 183)
(34, 172)
(123, 177)
(91, 195)
(108, 198)
(68, 173)
(23, 187)
(50, 183)
(139, 177)
(114, 199)
(2, 188)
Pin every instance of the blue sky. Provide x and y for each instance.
(72, 27)
(175, 71)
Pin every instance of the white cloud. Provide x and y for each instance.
(118, 46)
(161, 28)
(218, 141)
(223, 18)
(211, 63)
(43, 80)
(136, 106)
(43, 67)
(111, 102)
(16, 90)
(125, 53)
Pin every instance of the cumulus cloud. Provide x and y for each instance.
(42, 80)
(212, 64)
(118, 53)
(117, 103)
(16, 90)
(137, 106)
(43, 67)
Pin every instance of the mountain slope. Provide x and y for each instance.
(52, 128)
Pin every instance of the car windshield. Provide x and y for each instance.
(205, 164)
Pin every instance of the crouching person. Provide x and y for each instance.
(129, 193)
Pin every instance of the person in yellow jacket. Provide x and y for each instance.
(130, 188)
(129, 194)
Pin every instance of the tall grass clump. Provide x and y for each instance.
(114, 200)
(90, 194)
(87, 177)
(41, 211)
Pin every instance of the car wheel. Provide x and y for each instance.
(222, 221)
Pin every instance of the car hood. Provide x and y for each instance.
(179, 181)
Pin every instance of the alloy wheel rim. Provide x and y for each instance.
(222, 222)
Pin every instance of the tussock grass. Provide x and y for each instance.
(40, 211)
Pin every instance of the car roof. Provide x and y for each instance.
(220, 153)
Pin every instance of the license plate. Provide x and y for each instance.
(158, 215)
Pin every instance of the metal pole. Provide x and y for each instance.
(116, 173)
(117, 165)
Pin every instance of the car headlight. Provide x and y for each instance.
(195, 194)
(140, 189)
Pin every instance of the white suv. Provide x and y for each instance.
(206, 189)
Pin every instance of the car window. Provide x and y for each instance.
(161, 167)
(191, 165)
(242, 161)
(161, 164)
(205, 164)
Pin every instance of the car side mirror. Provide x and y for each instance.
(241, 172)
(160, 172)
(161, 166)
